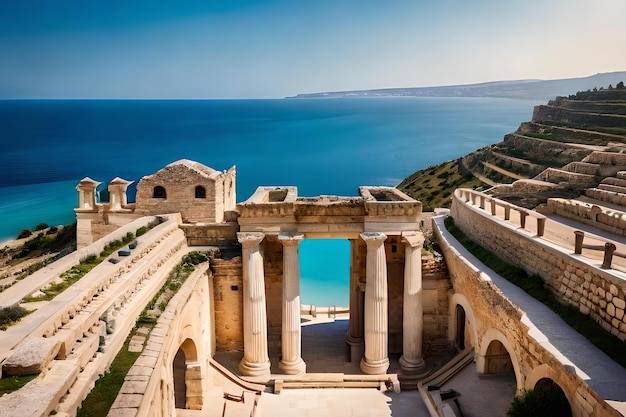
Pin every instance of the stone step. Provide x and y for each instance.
(607, 196)
(621, 182)
(612, 188)
(582, 168)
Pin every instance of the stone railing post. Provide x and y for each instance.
(578, 241)
(522, 218)
(255, 360)
(507, 212)
(291, 341)
(541, 226)
(609, 249)
(411, 361)
(375, 360)
(482, 201)
(493, 207)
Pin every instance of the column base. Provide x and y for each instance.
(357, 348)
(415, 367)
(377, 367)
(253, 369)
(297, 367)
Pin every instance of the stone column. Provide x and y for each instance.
(354, 338)
(291, 362)
(255, 360)
(375, 360)
(411, 361)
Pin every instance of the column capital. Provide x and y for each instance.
(290, 238)
(370, 237)
(250, 238)
(414, 239)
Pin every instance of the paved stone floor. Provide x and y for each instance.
(324, 350)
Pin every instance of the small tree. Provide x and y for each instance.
(620, 85)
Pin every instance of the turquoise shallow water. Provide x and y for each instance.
(320, 146)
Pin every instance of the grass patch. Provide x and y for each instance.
(535, 287)
(13, 383)
(102, 396)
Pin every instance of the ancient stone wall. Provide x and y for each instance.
(179, 186)
(572, 278)
(437, 288)
(543, 113)
(185, 324)
(573, 179)
(490, 316)
(228, 303)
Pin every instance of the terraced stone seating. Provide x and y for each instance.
(82, 329)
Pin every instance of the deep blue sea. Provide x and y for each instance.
(322, 146)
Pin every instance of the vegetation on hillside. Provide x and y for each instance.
(434, 185)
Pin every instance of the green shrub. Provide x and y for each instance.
(542, 402)
(24, 233)
(88, 259)
(9, 315)
(41, 226)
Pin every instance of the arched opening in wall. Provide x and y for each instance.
(325, 296)
(159, 192)
(546, 399)
(187, 377)
(497, 359)
(200, 192)
(180, 389)
(460, 327)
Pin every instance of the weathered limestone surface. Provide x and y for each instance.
(228, 303)
(31, 357)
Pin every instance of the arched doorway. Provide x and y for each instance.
(180, 388)
(497, 359)
(460, 327)
(187, 377)
(556, 404)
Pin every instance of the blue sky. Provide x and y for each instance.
(275, 48)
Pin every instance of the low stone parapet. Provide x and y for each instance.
(611, 220)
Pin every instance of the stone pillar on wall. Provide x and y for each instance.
(354, 337)
(375, 360)
(117, 193)
(255, 360)
(87, 194)
(411, 361)
(291, 342)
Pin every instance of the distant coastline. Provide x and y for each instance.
(520, 89)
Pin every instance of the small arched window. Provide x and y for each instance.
(200, 192)
(159, 192)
